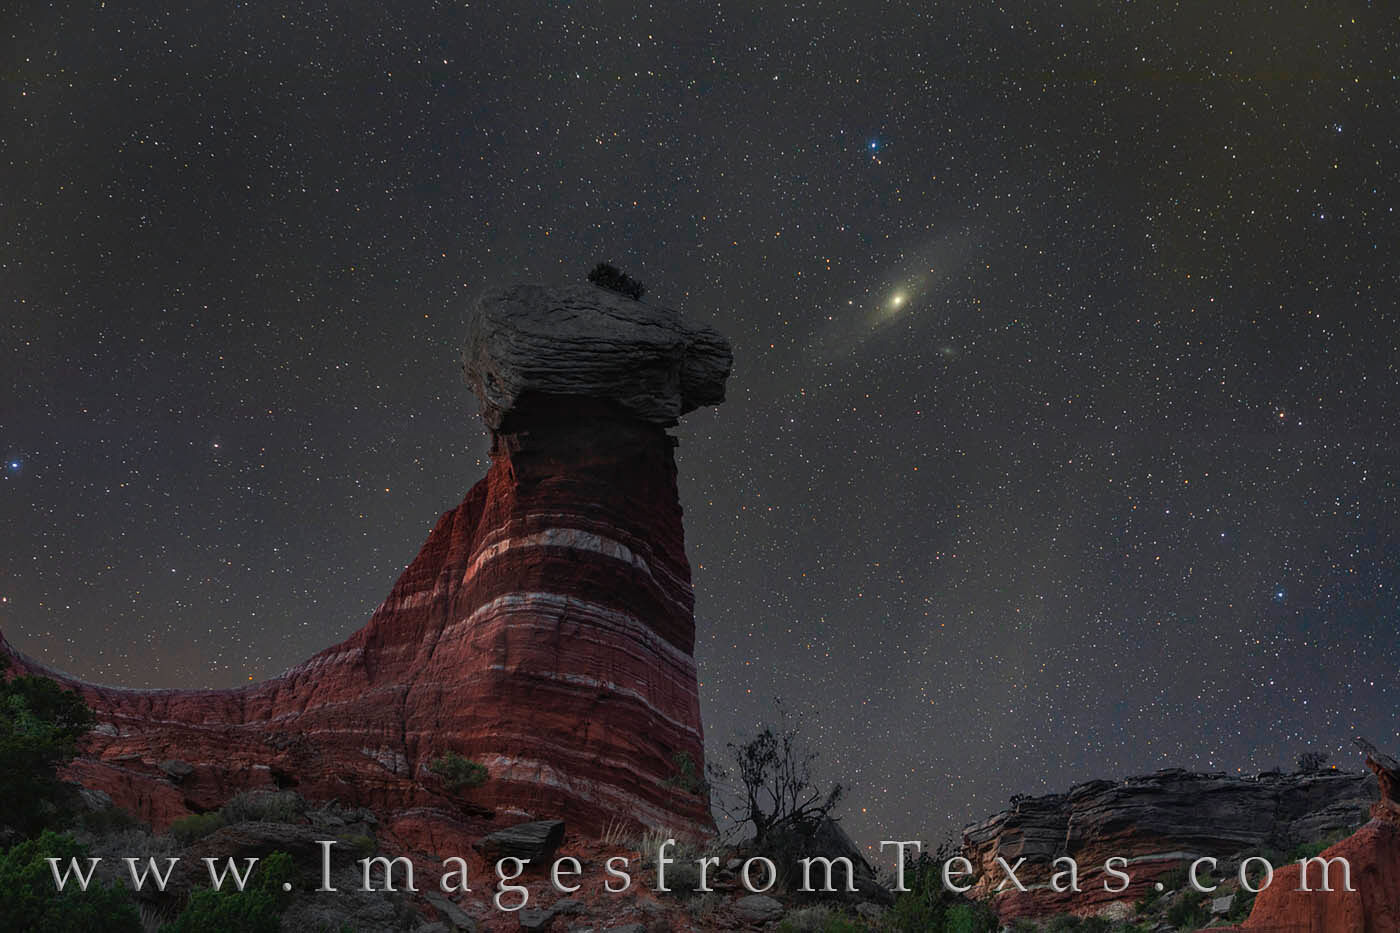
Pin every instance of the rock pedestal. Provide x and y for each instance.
(545, 630)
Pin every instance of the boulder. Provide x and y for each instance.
(532, 842)
(758, 908)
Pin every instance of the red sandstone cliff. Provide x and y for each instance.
(545, 629)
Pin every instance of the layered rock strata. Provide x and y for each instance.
(545, 630)
(1373, 854)
(1156, 822)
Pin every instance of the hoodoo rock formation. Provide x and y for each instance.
(545, 630)
(1156, 822)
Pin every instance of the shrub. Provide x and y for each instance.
(1189, 912)
(614, 279)
(968, 918)
(819, 920)
(1069, 923)
(1312, 761)
(683, 878)
(255, 909)
(777, 791)
(360, 845)
(40, 724)
(196, 826)
(702, 908)
(109, 820)
(928, 906)
(1317, 846)
(264, 806)
(1241, 905)
(31, 903)
(459, 773)
(687, 776)
(1174, 879)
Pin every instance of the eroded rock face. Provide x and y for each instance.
(1155, 821)
(1373, 852)
(545, 629)
(581, 340)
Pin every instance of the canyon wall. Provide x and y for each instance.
(1156, 822)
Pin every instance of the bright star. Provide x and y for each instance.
(874, 144)
(14, 464)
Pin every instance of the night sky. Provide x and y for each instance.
(1063, 433)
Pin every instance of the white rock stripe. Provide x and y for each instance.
(551, 606)
(528, 771)
(564, 521)
(573, 539)
(596, 683)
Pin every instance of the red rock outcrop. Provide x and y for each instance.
(1373, 852)
(545, 629)
(1156, 822)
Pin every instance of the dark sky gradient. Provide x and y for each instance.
(1062, 437)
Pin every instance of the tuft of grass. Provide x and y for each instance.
(616, 833)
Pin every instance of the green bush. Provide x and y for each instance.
(255, 909)
(687, 776)
(928, 907)
(31, 903)
(1189, 912)
(820, 920)
(459, 773)
(40, 724)
(196, 826)
(1241, 905)
(968, 918)
(1317, 847)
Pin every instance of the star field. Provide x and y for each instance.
(1062, 439)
